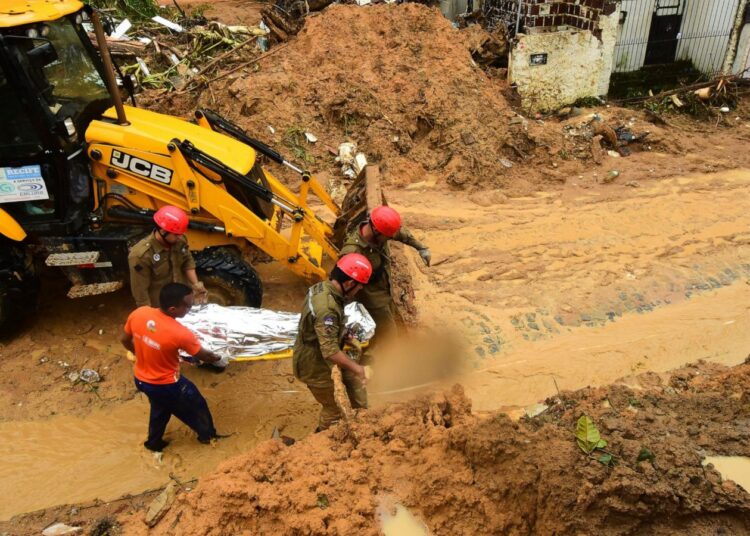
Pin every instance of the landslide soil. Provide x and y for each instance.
(531, 262)
(400, 81)
(464, 474)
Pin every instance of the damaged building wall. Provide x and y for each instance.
(451, 9)
(565, 53)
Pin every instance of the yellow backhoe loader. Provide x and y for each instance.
(81, 174)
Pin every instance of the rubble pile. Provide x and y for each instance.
(630, 458)
(397, 80)
(176, 48)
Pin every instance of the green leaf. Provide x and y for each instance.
(645, 454)
(605, 459)
(587, 435)
(601, 444)
(322, 501)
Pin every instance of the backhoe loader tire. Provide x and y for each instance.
(228, 279)
(19, 288)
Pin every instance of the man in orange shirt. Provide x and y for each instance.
(156, 338)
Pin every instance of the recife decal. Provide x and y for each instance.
(141, 167)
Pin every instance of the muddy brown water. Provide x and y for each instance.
(558, 291)
(735, 468)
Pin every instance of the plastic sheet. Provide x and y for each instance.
(246, 331)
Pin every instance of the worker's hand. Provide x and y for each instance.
(426, 255)
(201, 294)
(362, 374)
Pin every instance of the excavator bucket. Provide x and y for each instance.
(363, 195)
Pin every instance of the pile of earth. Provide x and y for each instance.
(398, 80)
(486, 474)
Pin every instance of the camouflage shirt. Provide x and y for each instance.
(321, 326)
(377, 293)
(153, 265)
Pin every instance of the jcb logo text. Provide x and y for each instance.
(141, 167)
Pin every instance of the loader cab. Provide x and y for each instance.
(51, 88)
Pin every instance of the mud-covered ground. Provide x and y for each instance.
(463, 474)
(548, 273)
(466, 474)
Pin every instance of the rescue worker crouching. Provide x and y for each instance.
(319, 338)
(371, 240)
(163, 257)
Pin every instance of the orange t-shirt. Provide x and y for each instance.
(158, 338)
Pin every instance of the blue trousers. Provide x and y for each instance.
(181, 399)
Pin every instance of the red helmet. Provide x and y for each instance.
(385, 220)
(356, 266)
(171, 219)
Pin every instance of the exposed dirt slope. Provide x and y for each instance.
(398, 80)
(463, 474)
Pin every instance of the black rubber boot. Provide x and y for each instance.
(156, 446)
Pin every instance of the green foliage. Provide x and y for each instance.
(588, 102)
(133, 9)
(294, 139)
(587, 435)
(646, 454)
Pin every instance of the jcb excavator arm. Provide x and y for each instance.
(186, 174)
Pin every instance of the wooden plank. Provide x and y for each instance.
(374, 192)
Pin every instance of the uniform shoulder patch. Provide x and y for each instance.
(329, 320)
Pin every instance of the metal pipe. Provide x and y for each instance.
(109, 70)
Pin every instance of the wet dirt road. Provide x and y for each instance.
(562, 290)
(588, 285)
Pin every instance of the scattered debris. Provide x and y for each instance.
(288, 441)
(161, 504)
(168, 23)
(311, 137)
(535, 410)
(352, 162)
(611, 176)
(488, 49)
(89, 376)
(704, 93)
(596, 148)
(61, 529)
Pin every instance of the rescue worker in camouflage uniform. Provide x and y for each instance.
(163, 257)
(321, 335)
(371, 240)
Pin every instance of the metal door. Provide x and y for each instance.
(665, 32)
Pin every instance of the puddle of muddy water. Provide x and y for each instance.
(68, 459)
(734, 468)
(401, 523)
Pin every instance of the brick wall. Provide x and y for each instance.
(582, 14)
